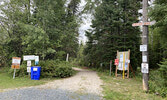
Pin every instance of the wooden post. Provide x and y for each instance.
(116, 66)
(123, 65)
(128, 63)
(145, 42)
(110, 67)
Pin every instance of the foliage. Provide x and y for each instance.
(124, 89)
(158, 80)
(33, 27)
(49, 69)
(158, 36)
(111, 31)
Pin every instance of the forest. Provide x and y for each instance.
(50, 29)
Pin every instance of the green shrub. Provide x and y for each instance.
(158, 80)
(49, 68)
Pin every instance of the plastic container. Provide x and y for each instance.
(35, 72)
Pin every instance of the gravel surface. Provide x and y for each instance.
(85, 85)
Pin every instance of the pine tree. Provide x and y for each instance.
(112, 31)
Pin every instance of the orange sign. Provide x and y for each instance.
(16, 62)
(145, 23)
(15, 66)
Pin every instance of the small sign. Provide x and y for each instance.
(116, 62)
(143, 47)
(121, 57)
(28, 69)
(29, 63)
(145, 23)
(36, 58)
(29, 57)
(35, 69)
(15, 66)
(16, 60)
(127, 61)
(144, 58)
(144, 68)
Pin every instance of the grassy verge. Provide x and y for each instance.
(127, 89)
(7, 81)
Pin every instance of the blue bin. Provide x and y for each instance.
(35, 72)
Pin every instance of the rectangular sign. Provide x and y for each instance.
(29, 63)
(29, 57)
(144, 58)
(36, 58)
(15, 66)
(35, 69)
(16, 60)
(144, 68)
(145, 23)
(116, 62)
(143, 47)
(28, 69)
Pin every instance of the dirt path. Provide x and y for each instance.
(85, 81)
(85, 85)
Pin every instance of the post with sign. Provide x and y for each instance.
(29, 67)
(143, 47)
(15, 64)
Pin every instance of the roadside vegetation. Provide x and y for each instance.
(125, 89)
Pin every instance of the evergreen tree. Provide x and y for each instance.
(158, 44)
(112, 31)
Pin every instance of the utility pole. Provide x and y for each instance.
(145, 42)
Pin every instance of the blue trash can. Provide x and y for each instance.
(35, 72)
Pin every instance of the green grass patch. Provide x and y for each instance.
(7, 81)
(124, 89)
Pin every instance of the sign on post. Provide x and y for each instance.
(29, 57)
(116, 62)
(144, 68)
(144, 58)
(36, 60)
(29, 63)
(143, 47)
(28, 69)
(145, 23)
(15, 64)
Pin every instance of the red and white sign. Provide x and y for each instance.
(16, 60)
(116, 62)
(145, 23)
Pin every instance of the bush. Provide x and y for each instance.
(158, 80)
(49, 68)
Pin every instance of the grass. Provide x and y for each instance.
(7, 81)
(124, 89)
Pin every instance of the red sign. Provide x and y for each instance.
(116, 62)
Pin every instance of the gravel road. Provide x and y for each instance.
(85, 85)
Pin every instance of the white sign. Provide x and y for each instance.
(144, 58)
(29, 63)
(16, 61)
(36, 58)
(121, 57)
(35, 69)
(29, 69)
(144, 68)
(143, 47)
(29, 57)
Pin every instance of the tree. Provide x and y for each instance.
(112, 31)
